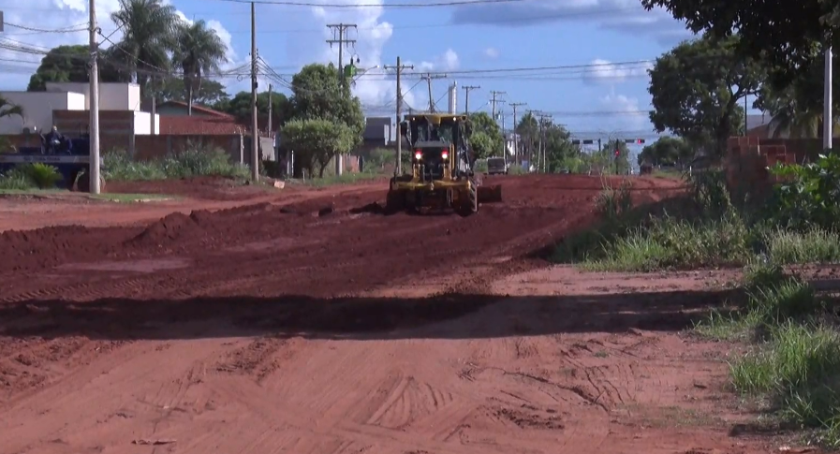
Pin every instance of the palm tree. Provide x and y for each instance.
(797, 109)
(199, 51)
(8, 108)
(149, 33)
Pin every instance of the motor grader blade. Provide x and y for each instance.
(490, 194)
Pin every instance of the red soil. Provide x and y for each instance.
(312, 325)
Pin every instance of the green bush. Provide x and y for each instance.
(194, 160)
(17, 180)
(31, 176)
(798, 371)
(808, 197)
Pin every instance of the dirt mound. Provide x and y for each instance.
(49, 246)
(204, 188)
(170, 228)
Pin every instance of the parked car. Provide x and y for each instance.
(497, 166)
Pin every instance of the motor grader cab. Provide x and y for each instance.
(442, 173)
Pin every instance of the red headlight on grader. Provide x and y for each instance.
(442, 173)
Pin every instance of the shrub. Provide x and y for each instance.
(807, 197)
(195, 160)
(16, 179)
(798, 371)
(614, 202)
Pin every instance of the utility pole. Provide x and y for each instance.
(516, 157)
(828, 115)
(504, 133)
(341, 41)
(255, 135)
(94, 186)
(268, 127)
(399, 68)
(428, 78)
(467, 90)
(544, 121)
(493, 101)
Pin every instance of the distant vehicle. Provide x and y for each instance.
(497, 166)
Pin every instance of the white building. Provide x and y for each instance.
(39, 107)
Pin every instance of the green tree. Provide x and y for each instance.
(198, 51)
(209, 93)
(150, 33)
(559, 150)
(70, 64)
(483, 145)
(317, 94)
(317, 141)
(791, 38)
(666, 151)
(240, 107)
(489, 133)
(797, 109)
(696, 87)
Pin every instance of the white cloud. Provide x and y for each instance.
(62, 14)
(491, 52)
(605, 72)
(620, 15)
(635, 119)
(447, 61)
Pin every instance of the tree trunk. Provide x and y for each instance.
(189, 100)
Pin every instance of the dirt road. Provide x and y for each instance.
(323, 326)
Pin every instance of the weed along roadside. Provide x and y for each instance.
(787, 326)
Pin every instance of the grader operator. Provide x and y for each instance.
(442, 175)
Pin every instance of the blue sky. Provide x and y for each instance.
(486, 45)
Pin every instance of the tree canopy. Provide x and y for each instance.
(209, 93)
(791, 37)
(325, 120)
(240, 106)
(317, 141)
(70, 64)
(696, 87)
(487, 139)
(666, 151)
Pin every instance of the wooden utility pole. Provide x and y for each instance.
(400, 67)
(516, 157)
(428, 78)
(341, 41)
(467, 90)
(255, 134)
(493, 100)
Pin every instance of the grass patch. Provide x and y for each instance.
(701, 229)
(793, 365)
(797, 372)
(132, 198)
(29, 177)
(346, 178)
(194, 160)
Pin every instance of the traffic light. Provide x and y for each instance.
(585, 142)
(636, 141)
(617, 152)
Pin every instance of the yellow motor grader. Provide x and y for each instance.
(442, 174)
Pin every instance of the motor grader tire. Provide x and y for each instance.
(469, 204)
